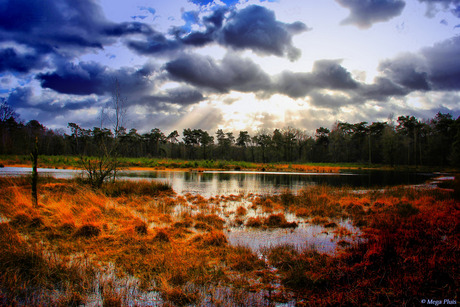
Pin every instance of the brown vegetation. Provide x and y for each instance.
(55, 253)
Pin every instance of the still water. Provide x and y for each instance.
(209, 183)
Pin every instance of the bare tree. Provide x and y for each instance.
(6, 111)
(104, 163)
(119, 108)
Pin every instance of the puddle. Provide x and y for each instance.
(305, 236)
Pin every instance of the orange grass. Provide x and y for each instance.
(410, 238)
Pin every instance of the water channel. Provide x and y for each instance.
(210, 183)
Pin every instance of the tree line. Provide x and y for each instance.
(406, 141)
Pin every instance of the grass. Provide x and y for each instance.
(127, 240)
(162, 164)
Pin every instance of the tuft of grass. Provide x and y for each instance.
(214, 238)
(279, 220)
(406, 210)
(212, 220)
(255, 222)
(141, 228)
(88, 231)
(241, 211)
(243, 259)
(26, 220)
(139, 188)
(330, 225)
(162, 235)
(180, 297)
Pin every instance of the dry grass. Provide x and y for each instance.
(54, 254)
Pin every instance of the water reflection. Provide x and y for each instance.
(223, 183)
(303, 237)
(218, 183)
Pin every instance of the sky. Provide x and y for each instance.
(235, 65)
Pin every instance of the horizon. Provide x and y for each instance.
(232, 65)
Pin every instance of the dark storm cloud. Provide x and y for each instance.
(232, 73)
(63, 27)
(182, 96)
(381, 90)
(19, 98)
(330, 74)
(434, 68)
(257, 29)
(23, 97)
(11, 60)
(243, 75)
(217, 17)
(443, 64)
(88, 78)
(237, 74)
(364, 13)
(126, 28)
(408, 70)
(198, 38)
(212, 23)
(252, 28)
(156, 43)
(81, 79)
(326, 74)
(294, 84)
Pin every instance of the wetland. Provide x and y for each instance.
(144, 241)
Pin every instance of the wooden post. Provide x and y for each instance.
(34, 156)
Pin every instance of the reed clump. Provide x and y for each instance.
(275, 220)
(243, 259)
(213, 238)
(212, 220)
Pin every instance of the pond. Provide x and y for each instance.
(209, 183)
